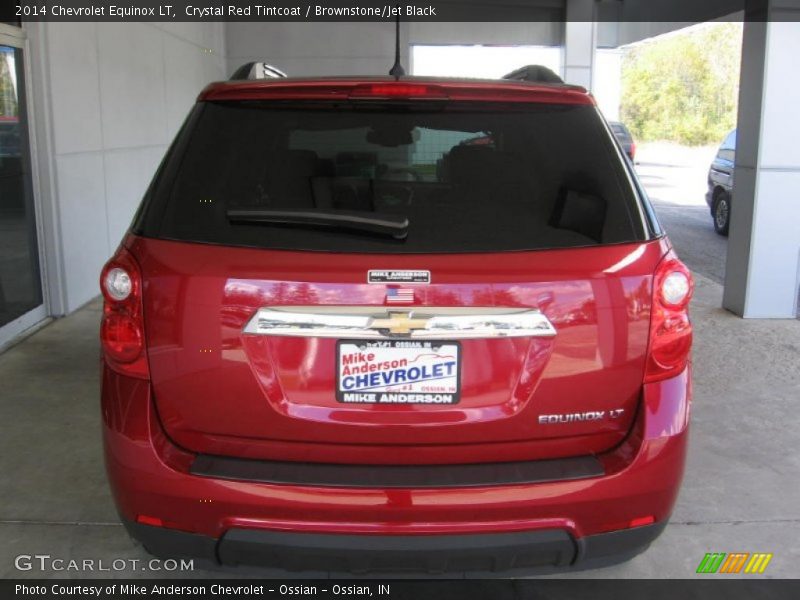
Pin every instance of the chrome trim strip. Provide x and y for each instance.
(424, 323)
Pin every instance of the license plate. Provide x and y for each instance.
(398, 372)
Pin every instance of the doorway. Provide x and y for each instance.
(21, 295)
(480, 61)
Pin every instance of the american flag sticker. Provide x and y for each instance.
(401, 295)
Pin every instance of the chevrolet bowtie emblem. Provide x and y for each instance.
(398, 323)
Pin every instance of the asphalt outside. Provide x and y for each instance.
(740, 492)
(675, 178)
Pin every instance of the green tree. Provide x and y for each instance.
(684, 87)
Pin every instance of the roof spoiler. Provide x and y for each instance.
(534, 73)
(257, 70)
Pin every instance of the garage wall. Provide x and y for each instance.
(534, 33)
(309, 49)
(117, 95)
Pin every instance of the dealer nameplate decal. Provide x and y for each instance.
(398, 372)
(398, 276)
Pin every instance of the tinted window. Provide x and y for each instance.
(727, 151)
(466, 179)
(620, 131)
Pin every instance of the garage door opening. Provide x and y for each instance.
(480, 61)
(679, 97)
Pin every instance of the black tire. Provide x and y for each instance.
(721, 213)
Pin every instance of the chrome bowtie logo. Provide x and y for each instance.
(399, 323)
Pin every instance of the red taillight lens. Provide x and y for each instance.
(641, 521)
(670, 327)
(122, 329)
(122, 337)
(159, 522)
(637, 522)
(397, 90)
(148, 520)
(633, 150)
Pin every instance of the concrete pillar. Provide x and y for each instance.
(762, 274)
(607, 81)
(580, 40)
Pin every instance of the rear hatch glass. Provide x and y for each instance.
(453, 179)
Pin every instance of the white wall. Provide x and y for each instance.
(607, 81)
(532, 33)
(117, 95)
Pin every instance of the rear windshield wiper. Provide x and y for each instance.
(370, 222)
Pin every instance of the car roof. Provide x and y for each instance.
(422, 88)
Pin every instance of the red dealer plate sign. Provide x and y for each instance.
(398, 372)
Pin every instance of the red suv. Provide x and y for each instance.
(342, 334)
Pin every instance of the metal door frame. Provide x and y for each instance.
(11, 332)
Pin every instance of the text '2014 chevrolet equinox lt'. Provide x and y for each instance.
(381, 324)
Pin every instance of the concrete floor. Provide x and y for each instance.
(741, 490)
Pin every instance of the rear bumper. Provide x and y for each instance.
(538, 551)
(563, 523)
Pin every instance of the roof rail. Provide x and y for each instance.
(257, 70)
(535, 73)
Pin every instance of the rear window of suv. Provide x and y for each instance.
(461, 177)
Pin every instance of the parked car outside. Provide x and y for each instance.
(720, 184)
(624, 137)
(312, 363)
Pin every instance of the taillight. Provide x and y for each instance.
(633, 150)
(159, 522)
(122, 328)
(398, 90)
(670, 327)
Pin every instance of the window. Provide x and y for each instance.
(467, 179)
(727, 151)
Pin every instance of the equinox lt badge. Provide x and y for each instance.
(592, 415)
